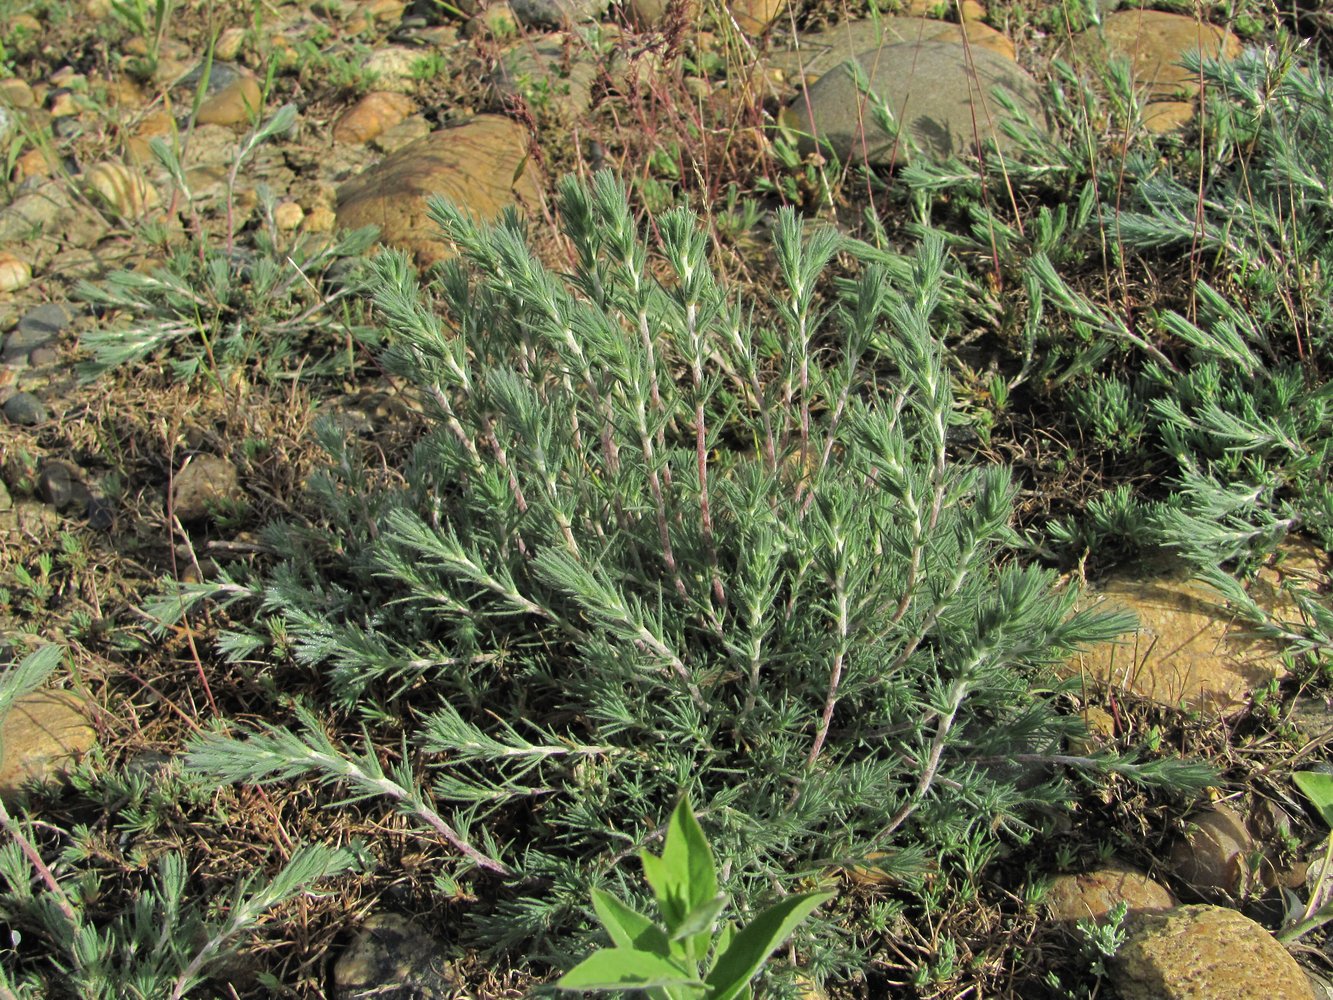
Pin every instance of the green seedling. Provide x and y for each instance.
(691, 955)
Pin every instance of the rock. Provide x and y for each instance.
(971, 10)
(939, 92)
(547, 76)
(481, 165)
(100, 514)
(407, 131)
(1204, 953)
(1101, 730)
(496, 20)
(39, 327)
(386, 11)
(320, 219)
(373, 114)
(120, 189)
(24, 31)
(817, 52)
(35, 162)
(392, 67)
(44, 210)
(545, 14)
(25, 409)
(1161, 117)
(221, 75)
(393, 959)
(1154, 42)
(203, 484)
(125, 94)
(30, 518)
(15, 93)
(648, 15)
(61, 485)
(64, 104)
(42, 733)
(238, 103)
(754, 16)
(228, 45)
(287, 216)
(1094, 894)
(1213, 855)
(1311, 714)
(1187, 653)
(14, 273)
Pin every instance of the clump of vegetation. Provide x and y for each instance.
(162, 943)
(214, 310)
(655, 538)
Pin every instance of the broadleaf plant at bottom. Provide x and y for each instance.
(656, 535)
(685, 959)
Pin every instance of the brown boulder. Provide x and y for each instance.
(238, 103)
(42, 733)
(1092, 895)
(481, 166)
(1213, 856)
(203, 485)
(1188, 652)
(1155, 42)
(372, 115)
(1204, 953)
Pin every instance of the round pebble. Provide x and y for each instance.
(14, 273)
(25, 409)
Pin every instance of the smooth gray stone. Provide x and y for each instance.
(938, 92)
(39, 327)
(556, 13)
(25, 409)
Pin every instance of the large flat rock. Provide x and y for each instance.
(939, 93)
(482, 166)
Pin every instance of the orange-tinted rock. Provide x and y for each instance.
(1161, 117)
(238, 103)
(1155, 43)
(202, 486)
(1214, 854)
(1204, 953)
(121, 189)
(754, 16)
(1187, 653)
(1094, 894)
(42, 733)
(372, 115)
(482, 166)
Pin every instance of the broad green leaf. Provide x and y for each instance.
(700, 920)
(684, 877)
(1318, 788)
(724, 935)
(752, 946)
(670, 898)
(625, 969)
(628, 927)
